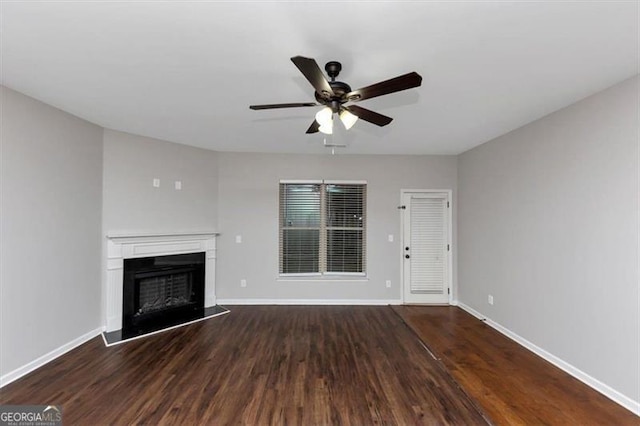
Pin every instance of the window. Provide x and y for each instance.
(322, 228)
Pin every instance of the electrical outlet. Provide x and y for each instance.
(388, 283)
(243, 283)
(390, 238)
(490, 299)
(156, 183)
(178, 185)
(238, 239)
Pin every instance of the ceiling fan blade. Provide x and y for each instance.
(273, 106)
(310, 69)
(403, 82)
(314, 127)
(368, 115)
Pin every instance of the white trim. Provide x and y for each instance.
(345, 274)
(302, 275)
(48, 357)
(370, 302)
(122, 246)
(324, 228)
(104, 339)
(301, 181)
(327, 181)
(451, 283)
(324, 276)
(321, 279)
(606, 390)
(410, 191)
(470, 310)
(127, 236)
(344, 182)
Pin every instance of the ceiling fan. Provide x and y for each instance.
(335, 94)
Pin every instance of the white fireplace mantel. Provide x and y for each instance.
(131, 245)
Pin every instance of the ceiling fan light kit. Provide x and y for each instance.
(348, 119)
(335, 94)
(324, 117)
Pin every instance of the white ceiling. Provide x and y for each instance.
(187, 71)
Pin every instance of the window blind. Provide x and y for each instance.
(322, 228)
(345, 234)
(299, 228)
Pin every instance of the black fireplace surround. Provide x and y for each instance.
(161, 292)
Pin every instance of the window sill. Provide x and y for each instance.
(332, 278)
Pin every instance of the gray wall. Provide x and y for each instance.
(248, 206)
(50, 224)
(132, 204)
(548, 224)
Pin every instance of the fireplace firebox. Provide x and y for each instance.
(162, 291)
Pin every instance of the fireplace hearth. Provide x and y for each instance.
(162, 291)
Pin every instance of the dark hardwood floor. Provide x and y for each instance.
(257, 365)
(511, 384)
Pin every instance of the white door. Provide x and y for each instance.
(426, 247)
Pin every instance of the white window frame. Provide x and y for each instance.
(323, 229)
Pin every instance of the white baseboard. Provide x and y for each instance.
(470, 310)
(606, 390)
(44, 359)
(376, 302)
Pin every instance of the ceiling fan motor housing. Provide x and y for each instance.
(339, 88)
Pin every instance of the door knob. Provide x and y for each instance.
(406, 248)
(407, 256)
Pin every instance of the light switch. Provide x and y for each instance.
(178, 185)
(238, 239)
(390, 238)
(156, 183)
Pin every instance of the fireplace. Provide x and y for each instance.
(162, 291)
(150, 256)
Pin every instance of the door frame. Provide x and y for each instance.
(449, 194)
